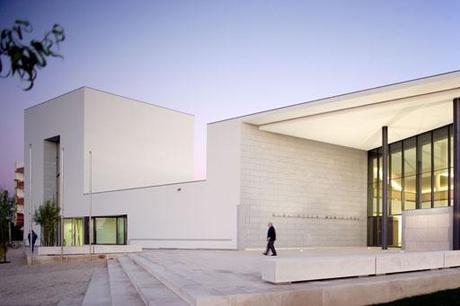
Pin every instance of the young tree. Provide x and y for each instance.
(22, 58)
(48, 215)
(4, 224)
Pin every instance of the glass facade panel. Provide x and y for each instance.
(396, 161)
(121, 225)
(395, 179)
(106, 230)
(441, 167)
(425, 185)
(424, 153)
(396, 231)
(73, 232)
(441, 178)
(440, 149)
(451, 166)
(375, 200)
(374, 186)
(410, 161)
(375, 171)
(396, 196)
(421, 170)
(410, 192)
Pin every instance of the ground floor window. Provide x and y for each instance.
(73, 232)
(105, 230)
(109, 230)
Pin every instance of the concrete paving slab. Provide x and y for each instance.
(122, 291)
(98, 292)
(151, 290)
(189, 290)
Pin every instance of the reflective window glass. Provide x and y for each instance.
(440, 149)
(424, 154)
(121, 225)
(73, 232)
(395, 198)
(410, 161)
(425, 186)
(106, 230)
(440, 188)
(451, 171)
(410, 193)
(396, 161)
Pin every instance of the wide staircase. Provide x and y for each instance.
(134, 280)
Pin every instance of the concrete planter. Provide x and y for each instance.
(83, 250)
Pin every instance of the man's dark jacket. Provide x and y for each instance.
(271, 233)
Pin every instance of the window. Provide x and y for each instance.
(420, 174)
(105, 230)
(424, 171)
(73, 232)
(441, 168)
(395, 179)
(409, 179)
(109, 230)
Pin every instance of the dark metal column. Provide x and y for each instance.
(384, 186)
(456, 144)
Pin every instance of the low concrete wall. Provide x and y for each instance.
(298, 269)
(82, 250)
(427, 229)
(294, 269)
(404, 262)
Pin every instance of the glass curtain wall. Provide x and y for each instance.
(421, 169)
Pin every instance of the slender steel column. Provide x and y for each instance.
(91, 228)
(456, 215)
(384, 186)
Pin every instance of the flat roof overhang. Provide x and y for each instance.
(355, 120)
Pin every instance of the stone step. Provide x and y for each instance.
(98, 292)
(189, 290)
(121, 290)
(151, 290)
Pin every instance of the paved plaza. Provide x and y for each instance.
(234, 278)
(205, 277)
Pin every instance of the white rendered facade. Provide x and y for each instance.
(302, 167)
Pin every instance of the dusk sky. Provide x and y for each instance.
(219, 59)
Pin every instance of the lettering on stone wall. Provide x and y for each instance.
(307, 216)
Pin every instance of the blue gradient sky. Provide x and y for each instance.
(219, 59)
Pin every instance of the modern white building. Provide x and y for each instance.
(314, 169)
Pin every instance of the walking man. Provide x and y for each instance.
(271, 237)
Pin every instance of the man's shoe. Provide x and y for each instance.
(273, 255)
(264, 254)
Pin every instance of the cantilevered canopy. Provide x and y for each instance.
(355, 120)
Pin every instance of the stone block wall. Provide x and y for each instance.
(314, 193)
(427, 229)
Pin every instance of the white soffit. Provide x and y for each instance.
(355, 120)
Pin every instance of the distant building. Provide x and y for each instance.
(18, 219)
